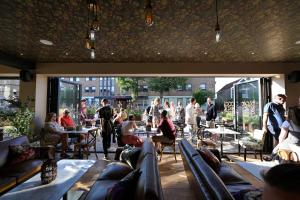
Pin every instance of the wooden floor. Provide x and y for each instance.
(173, 179)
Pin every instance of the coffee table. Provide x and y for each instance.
(68, 173)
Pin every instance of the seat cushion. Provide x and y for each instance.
(115, 171)
(210, 158)
(125, 188)
(234, 189)
(7, 183)
(22, 171)
(229, 176)
(100, 189)
(250, 143)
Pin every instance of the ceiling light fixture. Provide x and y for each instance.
(158, 53)
(217, 28)
(112, 53)
(297, 42)
(148, 13)
(252, 53)
(93, 25)
(46, 42)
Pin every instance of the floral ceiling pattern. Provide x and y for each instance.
(183, 31)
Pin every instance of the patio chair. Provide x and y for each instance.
(252, 143)
(170, 144)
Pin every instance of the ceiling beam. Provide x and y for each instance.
(16, 62)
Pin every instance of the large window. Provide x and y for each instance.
(202, 86)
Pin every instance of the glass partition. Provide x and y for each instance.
(69, 98)
(247, 106)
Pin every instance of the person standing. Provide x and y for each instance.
(190, 118)
(154, 111)
(211, 113)
(106, 115)
(273, 118)
(180, 113)
(198, 114)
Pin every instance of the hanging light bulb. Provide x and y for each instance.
(93, 54)
(95, 25)
(148, 14)
(92, 35)
(218, 33)
(87, 41)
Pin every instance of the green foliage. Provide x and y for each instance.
(165, 84)
(227, 116)
(91, 110)
(67, 96)
(130, 84)
(20, 118)
(201, 96)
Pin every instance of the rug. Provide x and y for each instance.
(255, 168)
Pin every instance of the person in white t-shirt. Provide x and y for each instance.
(127, 130)
(190, 118)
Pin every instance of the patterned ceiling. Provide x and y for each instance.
(183, 31)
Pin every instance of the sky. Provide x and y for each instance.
(220, 82)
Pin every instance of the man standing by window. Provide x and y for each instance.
(211, 113)
(273, 118)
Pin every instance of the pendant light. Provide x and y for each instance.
(217, 28)
(148, 14)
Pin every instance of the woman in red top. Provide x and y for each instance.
(167, 128)
(67, 121)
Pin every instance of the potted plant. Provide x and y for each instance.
(91, 111)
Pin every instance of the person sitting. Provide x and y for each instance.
(289, 138)
(53, 133)
(120, 117)
(128, 136)
(167, 128)
(66, 120)
(282, 182)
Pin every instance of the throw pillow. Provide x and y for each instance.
(125, 188)
(210, 158)
(255, 194)
(115, 171)
(20, 153)
(130, 156)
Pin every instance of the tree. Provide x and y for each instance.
(130, 84)
(202, 95)
(164, 84)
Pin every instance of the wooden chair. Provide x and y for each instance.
(253, 143)
(170, 144)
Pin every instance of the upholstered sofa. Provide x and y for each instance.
(205, 181)
(14, 174)
(148, 184)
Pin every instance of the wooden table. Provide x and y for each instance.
(220, 132)
(91, 139)
(144, 132)
(68, 173)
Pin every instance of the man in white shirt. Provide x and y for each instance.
(190, 113)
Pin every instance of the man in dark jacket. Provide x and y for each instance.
(106, 115)
(211, 113)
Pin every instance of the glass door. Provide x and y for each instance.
(247, 103)
(69, 94)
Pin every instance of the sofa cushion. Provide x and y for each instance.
(115, 171)
(229, 176)
(210, 158)
(4, 150)
(125, 188)
(23, 170)
(130, 156)
(20, 153)
(7, 183)
(99, 189)
(235, 188)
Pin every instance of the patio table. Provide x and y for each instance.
(90, 141)
(220, 132)
(145, 132)
(68, 173)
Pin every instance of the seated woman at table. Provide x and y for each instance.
(120, 117)
(167, 128)
(289, 138)
(127, 130)
(53, 133)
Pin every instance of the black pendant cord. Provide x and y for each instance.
(217, 13)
